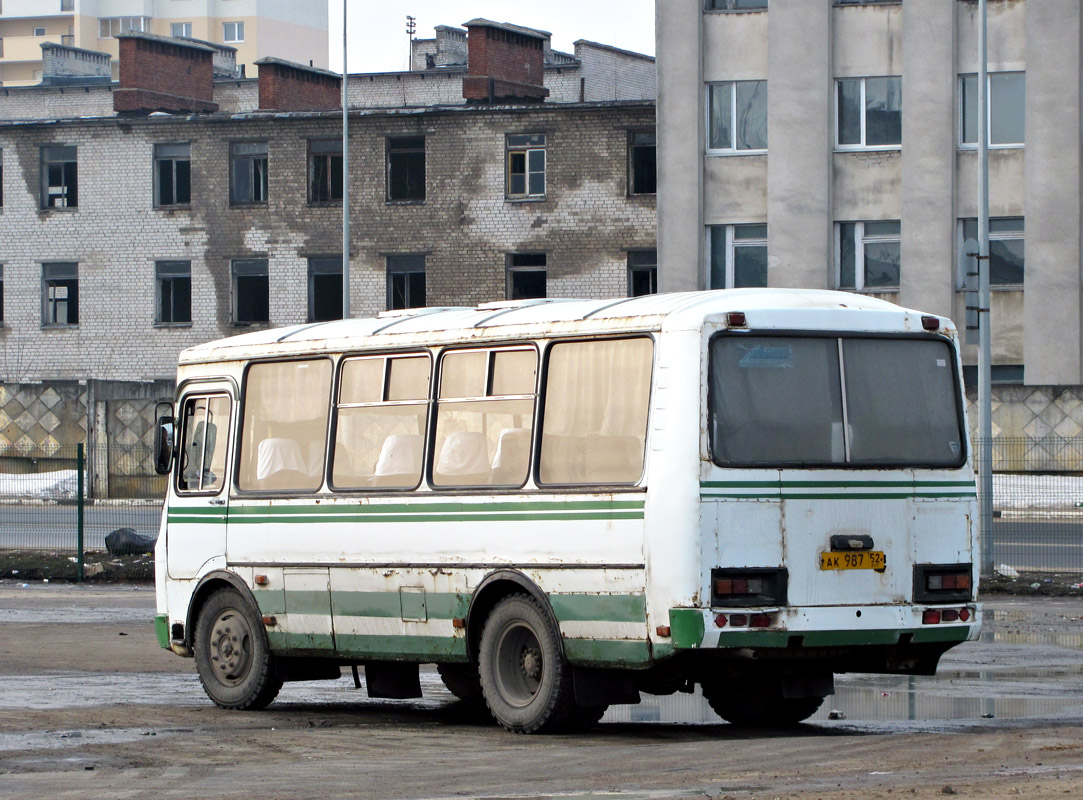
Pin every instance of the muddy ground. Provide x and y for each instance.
(91, 707)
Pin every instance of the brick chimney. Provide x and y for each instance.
(506, 62)
(158, 73)
(285, 86)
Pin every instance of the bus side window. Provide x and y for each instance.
(597, 395)
(203, 457)
(485, 417)
(284, 432)
(382, 418)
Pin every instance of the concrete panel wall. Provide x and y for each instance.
(734, 46)
(799, 136)
(1052, 295)
(868, 40)
(865, 186)
(928, 156)
(680, 144)
(736, 190)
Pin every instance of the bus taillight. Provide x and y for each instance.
(748, 587)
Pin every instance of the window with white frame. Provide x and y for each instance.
(108, 27)
(737, 116)
(1006, 105)
(233, 31)
(868, 113)
(525, 165)
(181, 29)
(867, 255)
(737, 256)
(1007, 252)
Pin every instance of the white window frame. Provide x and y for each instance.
(732, 243)
(998, 236)
(238, 32)
(961, 110)
(732, 149)
(186, 29)
(860, 240)
(116, 25)
(39, 31)
(864, 112)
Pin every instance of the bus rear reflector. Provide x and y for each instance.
(759, 621)
(943, 583)
(736, 319)
(930, 323)
(930, 617)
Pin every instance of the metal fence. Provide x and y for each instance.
(74, 513)
(91, 513)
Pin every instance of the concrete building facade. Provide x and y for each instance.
(290, 29)
(127, 236)
(835, 147)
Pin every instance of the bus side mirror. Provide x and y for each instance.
(163, 445)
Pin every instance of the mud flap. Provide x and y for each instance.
(603, 687)
(392, 681)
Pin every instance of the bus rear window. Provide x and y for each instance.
(823, 401)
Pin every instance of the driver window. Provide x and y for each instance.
(203, 444)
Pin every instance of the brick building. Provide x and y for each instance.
(191, 212)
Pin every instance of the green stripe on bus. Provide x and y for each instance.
(401, 648)
(607, 652)
(438, 605)
(599, 607)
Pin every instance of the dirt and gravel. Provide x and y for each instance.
(91, 707)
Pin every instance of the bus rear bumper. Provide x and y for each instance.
(822, 626)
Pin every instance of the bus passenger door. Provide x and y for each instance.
(199, 496)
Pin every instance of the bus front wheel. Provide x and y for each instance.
(524, 678)
(233, 658)
(760, 706)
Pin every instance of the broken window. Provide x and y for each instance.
(406, 168)
(248, 173)
(405, 281)
(325, 171)
(59, 294)
(526, 165)
(324, 288)
(641, 162)
(174, 279)
(251, 291)
(525, 276)
(59, 177)
(172, 174)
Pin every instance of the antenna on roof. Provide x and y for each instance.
(411, 28)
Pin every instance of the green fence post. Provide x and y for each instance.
(81, 492)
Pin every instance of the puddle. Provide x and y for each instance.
(77, 615)
(56, 740)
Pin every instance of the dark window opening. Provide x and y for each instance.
(248, 173)
(642, 272)
(172, 174)
(60, 294)
(324, 288)
(325, 172)
(405, 282)
(251, 291)
(174, 280)
(642, 162)
(59, 177)
(406, 168)
(526, 276)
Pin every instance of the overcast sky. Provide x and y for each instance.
(378, 40)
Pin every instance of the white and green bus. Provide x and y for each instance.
(563, 504)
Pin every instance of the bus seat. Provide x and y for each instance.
(463, 459)
(275, 455)
(512, 457)
(399, 463)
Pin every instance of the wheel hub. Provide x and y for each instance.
(230, 647)
(530, 662)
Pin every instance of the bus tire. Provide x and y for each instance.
(233, 657)
(526, 682)
(760, 706)
(462, 680)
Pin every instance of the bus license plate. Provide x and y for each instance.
(859, 559)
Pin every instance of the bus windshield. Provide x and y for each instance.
(834, 401)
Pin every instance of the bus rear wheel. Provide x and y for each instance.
(524, 678)
(462, 680)
(760, 705)
(233, 658)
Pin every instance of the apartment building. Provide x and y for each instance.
(194, 208)
(835, 146)
(291, 29)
